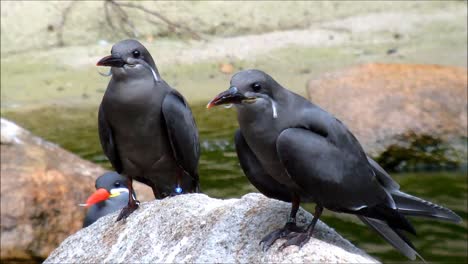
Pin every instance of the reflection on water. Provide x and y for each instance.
(221, 176)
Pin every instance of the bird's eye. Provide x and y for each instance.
(136, 54)
(117, 184)
(256, 87)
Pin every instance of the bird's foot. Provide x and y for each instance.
(301, 238)
(270, 239)
(296, 239)
(127, 210)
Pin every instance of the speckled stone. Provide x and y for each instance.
(195, 228)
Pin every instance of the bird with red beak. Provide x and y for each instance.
(111, 195)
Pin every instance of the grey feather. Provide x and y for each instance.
(182, 132)
(384, 178)
(411, 205)
(390, 236)
(107, 140)
(257, 174)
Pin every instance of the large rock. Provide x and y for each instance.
(42, 185)
(382, 102)
(195, 228)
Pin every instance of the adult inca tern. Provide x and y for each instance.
(294, 151)
(146, 128)
(111, 195)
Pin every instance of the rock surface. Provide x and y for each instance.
(381, 101)
(41, 187)
(195, 228)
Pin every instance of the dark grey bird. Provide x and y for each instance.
(111, 195)
(292, 150)
(146, 127)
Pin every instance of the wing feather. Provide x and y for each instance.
(255, 172)
(332, 177)
(182, 132)
(107, 141)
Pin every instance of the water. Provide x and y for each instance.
(75, 129)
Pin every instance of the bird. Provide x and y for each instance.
(292, 150)
(146, 128)
(111, 195)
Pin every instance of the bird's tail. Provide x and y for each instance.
(414, 206)
(393, 236)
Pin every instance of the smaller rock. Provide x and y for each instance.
(392, 51)
(397, 36)
(11, 133)
(226, 68)
(149, 38)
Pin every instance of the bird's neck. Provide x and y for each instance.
(154, 70)
(155, 73)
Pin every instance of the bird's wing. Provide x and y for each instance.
(324, 124)
(331, 176)
(384, 178)
(334, 132)
(182, 132)
(393, 236)
(254, 171)
(107, 141)
(411, 205)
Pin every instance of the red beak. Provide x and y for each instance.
(98, 196)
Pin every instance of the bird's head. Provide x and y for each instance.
(108, 185)
(249, 88)
(131, 59)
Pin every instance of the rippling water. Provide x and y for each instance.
(75, 129)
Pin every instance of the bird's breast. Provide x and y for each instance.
(137, 124)
(134, 94)
(261, 135)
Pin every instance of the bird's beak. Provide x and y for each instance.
(98, 196)
(231, 96)
(111, 61)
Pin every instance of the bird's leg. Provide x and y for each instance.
(132, 203)
(300, 239)
(288, 228)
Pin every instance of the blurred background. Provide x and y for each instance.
(393, 71)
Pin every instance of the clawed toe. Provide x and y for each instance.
(126, 211)
(271, 238)
(295, 239)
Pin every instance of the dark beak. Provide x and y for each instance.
(231, 96)
(111, 61)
